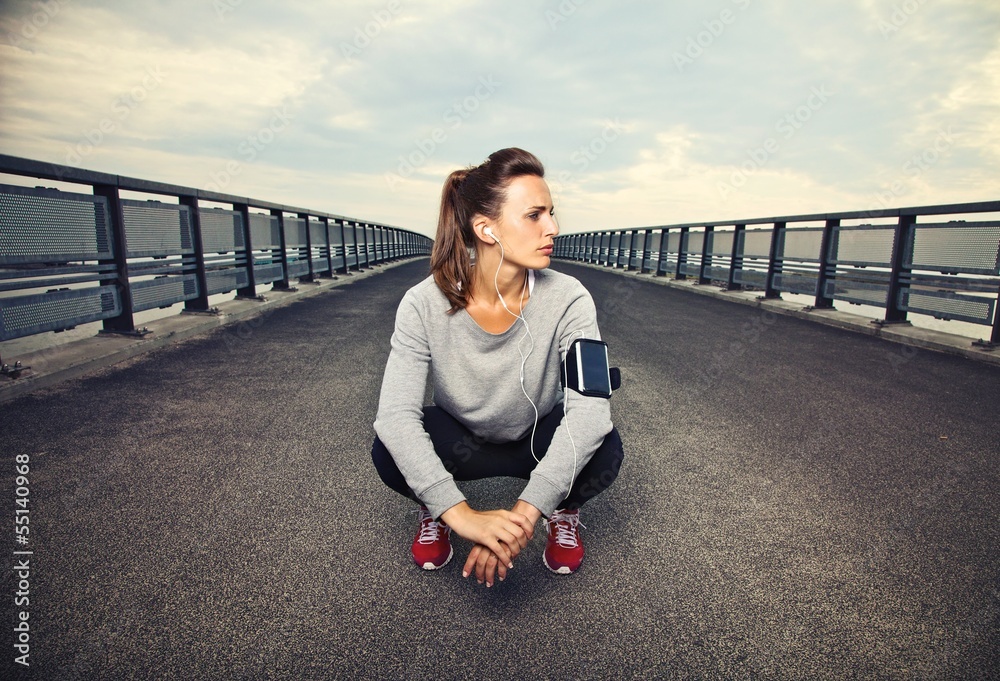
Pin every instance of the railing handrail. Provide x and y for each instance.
(16, 165)
(58, 239)
(939, 209)
(901, 271)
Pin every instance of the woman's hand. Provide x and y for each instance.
(503, 532)
(499, 537)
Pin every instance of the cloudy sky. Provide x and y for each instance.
(645, 113)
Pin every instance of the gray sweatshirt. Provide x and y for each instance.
(475, 378)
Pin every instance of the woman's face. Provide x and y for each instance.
(527, 223)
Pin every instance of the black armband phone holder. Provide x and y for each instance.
(586, 370)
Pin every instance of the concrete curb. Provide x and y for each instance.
(54, 365)
(905, 334)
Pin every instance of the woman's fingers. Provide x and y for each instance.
(470, 562)
(485, 565)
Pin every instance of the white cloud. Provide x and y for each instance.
(352, 117)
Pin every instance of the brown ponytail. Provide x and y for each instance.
(477, 190)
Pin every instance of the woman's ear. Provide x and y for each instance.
(484, 229)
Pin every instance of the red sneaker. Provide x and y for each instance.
(564, 550)
(432, 545)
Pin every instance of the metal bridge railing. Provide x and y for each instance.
(914, 263)
(71, 258)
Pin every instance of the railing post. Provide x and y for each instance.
(124, 322)
(311, 277)
(706, 255)
(902, 238)
(664, 245)
(343, 245)
(735, 259)
(647, 238)
(364, 233)
(823, 302)
(200, 303)
(329, 246)
(773, 264)
(250, 290)
(679, 275)
(995, 336)
(283, 284)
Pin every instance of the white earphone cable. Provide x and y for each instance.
(527, 333)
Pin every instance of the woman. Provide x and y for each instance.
(489, 332)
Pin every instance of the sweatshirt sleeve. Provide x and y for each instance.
(399, 421)
(586, 422)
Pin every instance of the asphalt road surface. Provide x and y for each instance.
(797, 502)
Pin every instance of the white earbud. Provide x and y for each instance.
(489, 231)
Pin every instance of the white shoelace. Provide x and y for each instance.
(430, 530)
(566, 524)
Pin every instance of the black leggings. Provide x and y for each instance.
(468, 457)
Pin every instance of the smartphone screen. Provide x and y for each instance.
(592, 367)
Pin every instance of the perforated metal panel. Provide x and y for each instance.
(57, 310)
(694, 242)
(44, 225)
(265, 231)
(947, 305)
(297, 268)
(751, 278)
(717, 273)
(755, 243)
(796, 283)
(265, 274)
(320, 265)
(164, 291)
(295, 232)
(863, 245)
(317, 232)
(857, 292)
(673, 242)
(222, 281)
(350, 248)
(969, 248)
(721, 243)
(799, 244)
(222, 231)
(155, 229)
